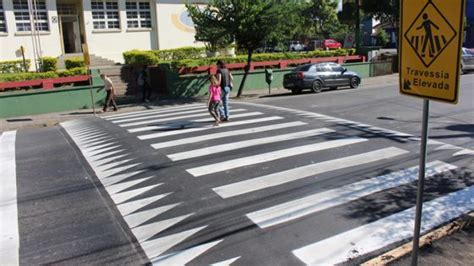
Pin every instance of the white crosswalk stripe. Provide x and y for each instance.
(154, 111)
(160, 120)
(191, 123)
(291, 175)
(298, 208)
(246, 143)
(386, 231)
(271, 156)
(215, 136)
(200, 111)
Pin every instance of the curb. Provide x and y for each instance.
(457, 225)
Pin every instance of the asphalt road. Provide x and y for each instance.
(311, 178)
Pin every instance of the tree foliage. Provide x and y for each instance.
(383, 10)
(322, 14)
(250, 23)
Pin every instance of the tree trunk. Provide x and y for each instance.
(357, 26)
(247, 69)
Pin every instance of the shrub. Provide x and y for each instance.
(74, 62)
(27, 76)
(14, 66)
(73, 72)
(180, 53)
(49, 64)
(137, 57)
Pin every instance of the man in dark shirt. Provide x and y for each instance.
(224, 78)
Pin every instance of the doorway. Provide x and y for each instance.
(71, 34)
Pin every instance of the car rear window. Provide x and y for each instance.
(303, 68)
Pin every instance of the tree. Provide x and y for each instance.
(383, 10)
(249, 22)
(322, 15)
(382, 38)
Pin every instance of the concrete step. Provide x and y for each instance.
(94, 60)
(124, 81)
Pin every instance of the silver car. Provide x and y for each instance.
(320, 76)
(467, 60)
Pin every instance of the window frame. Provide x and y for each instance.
(143, 15)
(4, 20)
(100, 12)
(22, 16)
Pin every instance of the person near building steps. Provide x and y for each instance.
(224, 77)
(110, 90)
(214, 101)
(144, 84)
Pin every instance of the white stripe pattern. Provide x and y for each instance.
(113, 171)
(246, 143)
(330, 198)
(291, 175)
(190, 123)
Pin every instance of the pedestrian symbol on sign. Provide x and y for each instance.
(429, 34)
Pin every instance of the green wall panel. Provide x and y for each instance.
(57, 100)
(39, 101)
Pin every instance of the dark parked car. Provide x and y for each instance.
(320, 76)
(467, 60)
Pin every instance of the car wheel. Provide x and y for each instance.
(355, 81)
(317, 86)
(296, 91)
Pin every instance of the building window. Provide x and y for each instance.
(105, 15)
(3, 24)
(22, 15)
(138, 14)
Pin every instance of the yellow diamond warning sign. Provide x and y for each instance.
(430, 48)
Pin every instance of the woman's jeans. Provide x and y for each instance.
(225, 103)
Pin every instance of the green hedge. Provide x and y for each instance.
(44, 75)
(137, 57)
(74, 62)
(27, 76)
(180, 53)
(14, 66)
(77, 71)
(49, 64)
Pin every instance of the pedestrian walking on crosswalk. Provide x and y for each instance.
(214, 101)
(110, 90)
(224, 78)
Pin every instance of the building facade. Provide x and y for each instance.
(107, 27)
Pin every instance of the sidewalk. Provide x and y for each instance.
(51, 119)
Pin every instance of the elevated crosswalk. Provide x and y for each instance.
(250, 159)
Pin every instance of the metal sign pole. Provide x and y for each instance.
(90, 89)
(421, 182)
